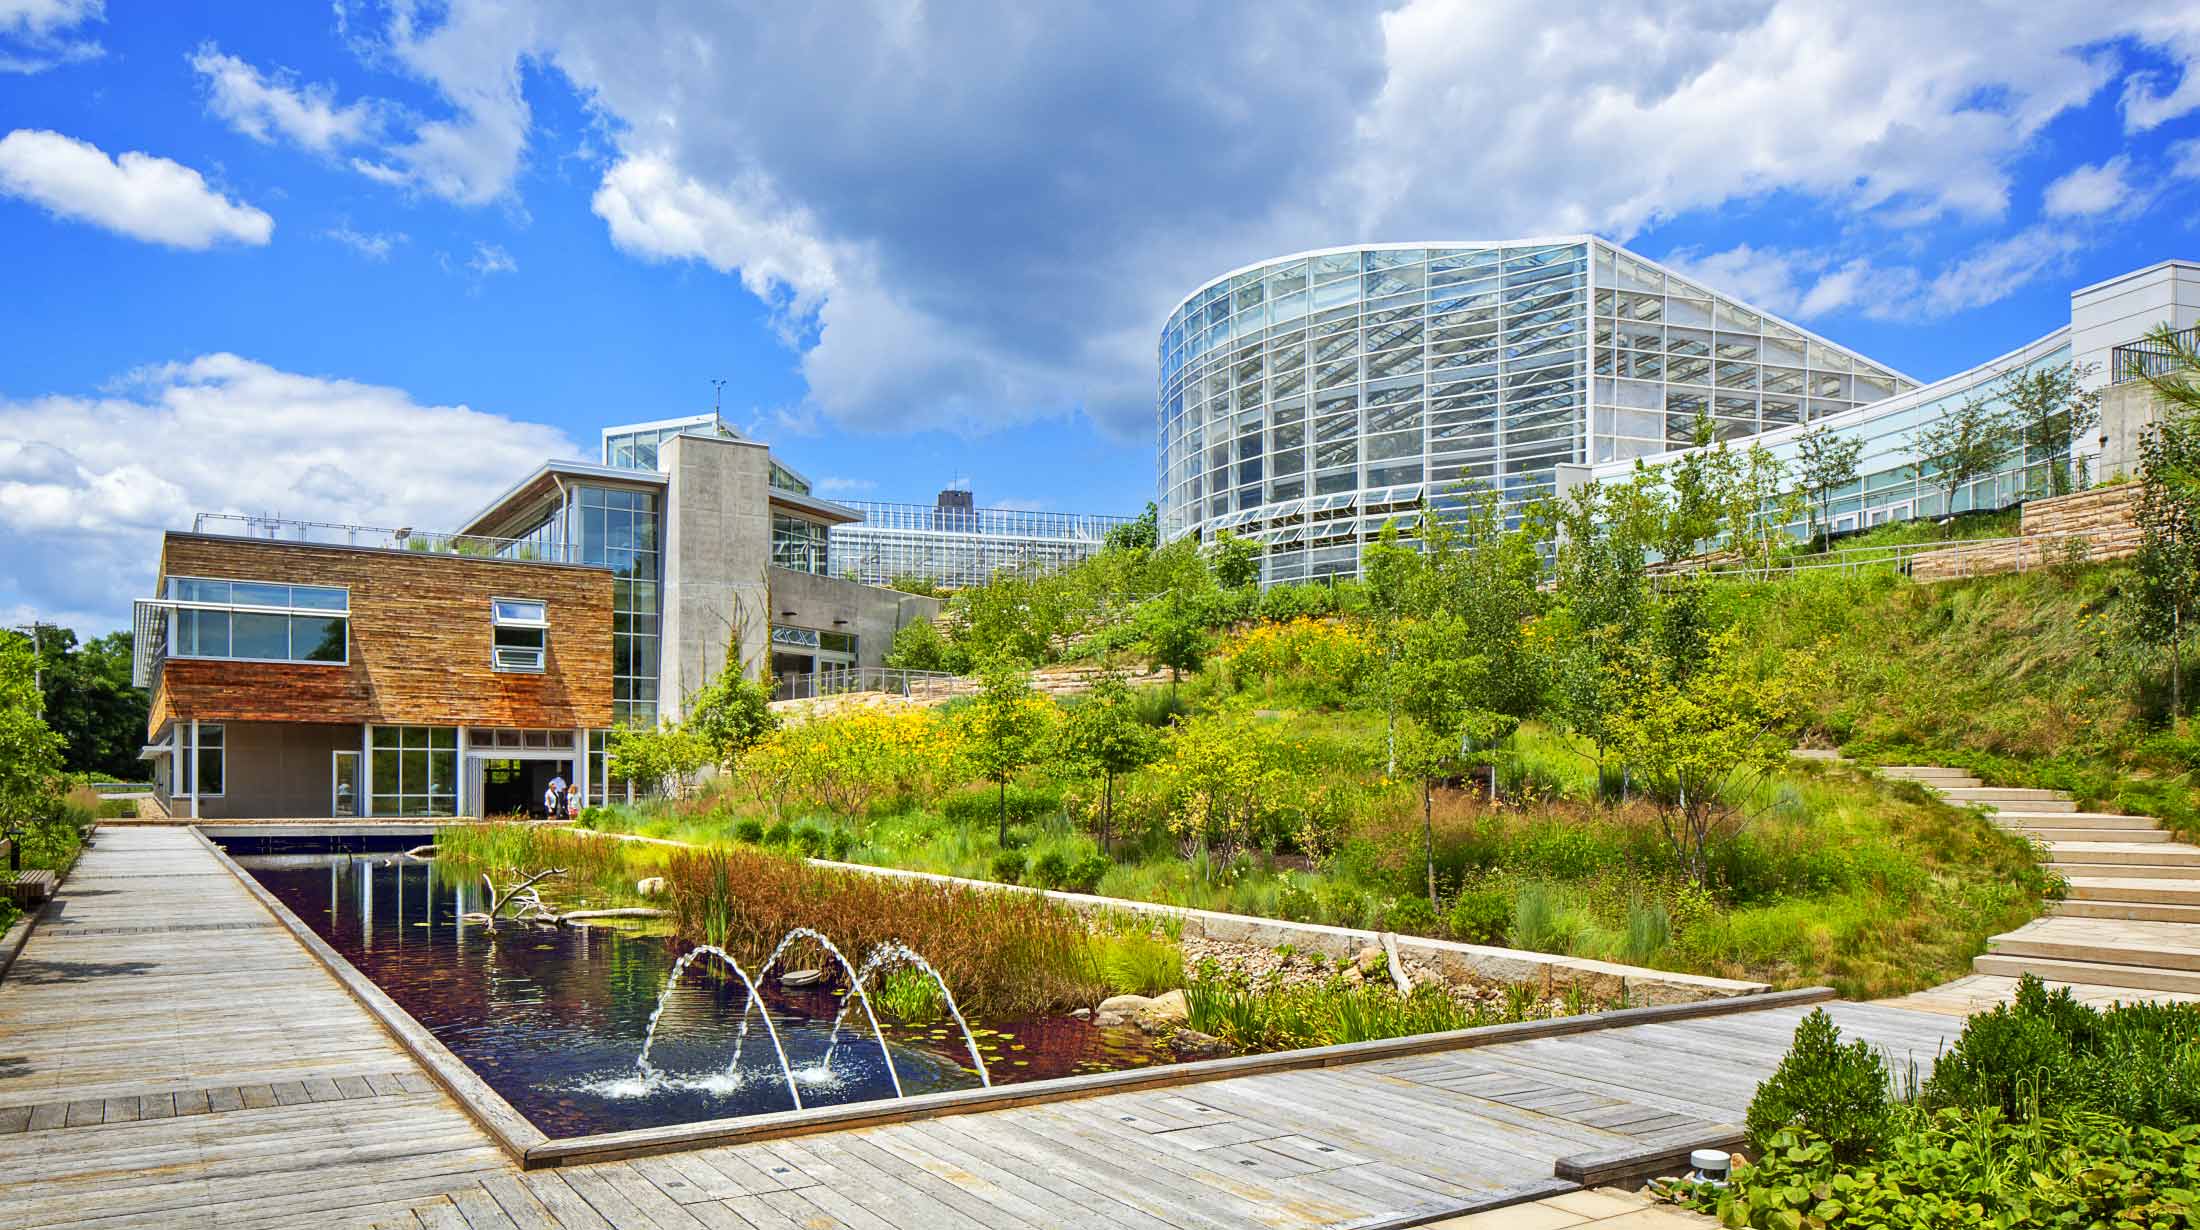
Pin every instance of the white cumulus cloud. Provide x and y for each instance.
(135, 194)
(2084, 191)
(88, 483)
(36, 35)
(267, 107)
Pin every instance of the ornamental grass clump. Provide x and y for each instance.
(1002, 953)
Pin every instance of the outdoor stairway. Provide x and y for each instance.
(2131, 919)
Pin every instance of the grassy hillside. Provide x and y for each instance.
(2029, 680)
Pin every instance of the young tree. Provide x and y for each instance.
(1006, 727)
(1962, 446)
(2048, 411)
(1828, 463)
(1103, 735)
(732, 712)
(1397, 590)
(1601, 604)
(655, 757)
(2168, 562)
(1755, 503)
(1235, 561)
(30, 752)
(1695, 740)
(1141, 533)
(920, 647)
(1220, 776)
(1172, 632)
(1691, 519)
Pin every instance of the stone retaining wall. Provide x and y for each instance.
(2084, 527)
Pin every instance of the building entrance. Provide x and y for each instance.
(514, 787)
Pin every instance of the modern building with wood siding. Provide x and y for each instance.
(304, 670)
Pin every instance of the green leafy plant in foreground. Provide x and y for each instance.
(1838, 1093)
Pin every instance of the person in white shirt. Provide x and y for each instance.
(550, 801)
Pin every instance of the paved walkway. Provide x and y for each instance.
(2130, 928)
(171, 1057)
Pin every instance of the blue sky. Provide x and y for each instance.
(367, 262)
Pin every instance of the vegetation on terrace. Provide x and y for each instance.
(2045, 1112)
(1576, 758)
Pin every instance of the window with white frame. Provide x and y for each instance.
(208, 760)
(522, 634)
(259, 621)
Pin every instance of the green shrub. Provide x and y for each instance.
(809, 840)
(779, 833)
(1969, 1169)
(839, 844)
(1840, 1094)
(1083, 875)
(2046, 1054)
(1008, 866)
(1411, 915)
(1536, 922)
(1026, 805)
(748, 829)
(1049, 869)
(1481, 915)
(1649, 928)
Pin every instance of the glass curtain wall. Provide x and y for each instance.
(1305, 402)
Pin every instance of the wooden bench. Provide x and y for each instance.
(30, 887)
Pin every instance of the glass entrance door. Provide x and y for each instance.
(344, 794)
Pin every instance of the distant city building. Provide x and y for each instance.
(955, 544)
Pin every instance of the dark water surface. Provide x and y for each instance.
(552, 1019)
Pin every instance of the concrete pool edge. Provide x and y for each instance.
(533, 1149)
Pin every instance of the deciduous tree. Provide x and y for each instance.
(2048, 410)
(30, 751)
(1828, 462)
(1962, 446)
(2168, 563)
(1103, 735)
(1006, 727)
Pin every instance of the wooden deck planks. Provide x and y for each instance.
(137, 1092)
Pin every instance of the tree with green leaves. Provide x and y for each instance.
(2049, 409)
(920, 646)
(1005, 727)
(1693, 483)
(658, 758)
(732, 713)
(1234, 561)
(1755, 504)
(1396, 579)
(1827, 462)
(1697, 737)
(1172, 632)
(1141, 533)
(1601, 604)
(2168, 562)
(1962, 446)
(1103, 735)
(30, 751)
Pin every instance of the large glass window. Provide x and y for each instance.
(618, 528)
(415, 770)
(255, 621)
(799, 543)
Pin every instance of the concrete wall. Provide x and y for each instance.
(275, 769)
(872, 613)
(717, 551)
(2124, 309)
(2126, 412)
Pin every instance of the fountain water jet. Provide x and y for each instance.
(854, 982)
(672, 980)
(893, 951)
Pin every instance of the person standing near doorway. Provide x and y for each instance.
(561, 808)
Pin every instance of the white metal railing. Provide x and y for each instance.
(403, 538)
(1949, 559)
(841, 680)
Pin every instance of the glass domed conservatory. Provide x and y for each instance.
(1305, 401)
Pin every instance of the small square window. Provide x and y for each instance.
(521, 637)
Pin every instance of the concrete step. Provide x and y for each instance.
(2006, 795)
(1919, 772)
(2029, 807)
(1949, 780)
(2146, 891)
(2148, 945)
(2156, 854)
(2097, 973)
(2127, 911)
(2124, 871)
(2074, 819)
(2051, 834)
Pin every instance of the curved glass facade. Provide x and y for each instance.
(1305, 401)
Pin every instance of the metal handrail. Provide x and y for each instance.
(2135, 361)
(430, 542)
(841, 680)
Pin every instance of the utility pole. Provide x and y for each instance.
(38, 658)
(717, 419)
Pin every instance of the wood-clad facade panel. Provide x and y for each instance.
(420, 641)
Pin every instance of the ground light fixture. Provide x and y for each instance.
(1709, 1166)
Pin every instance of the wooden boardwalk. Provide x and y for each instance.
(170, 1057)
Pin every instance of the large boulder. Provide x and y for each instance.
(651, 886)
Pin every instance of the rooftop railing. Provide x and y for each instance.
(842, 680)
(400, 538)
(2135, 361)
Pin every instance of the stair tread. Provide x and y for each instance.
(2142, 977)
(2137, 935)
(2174, 851)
